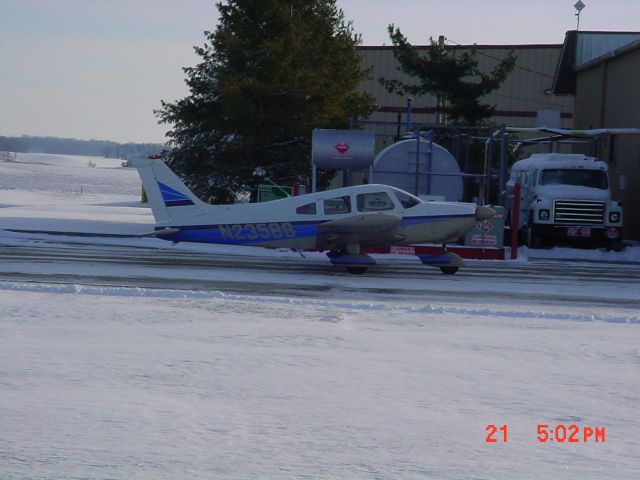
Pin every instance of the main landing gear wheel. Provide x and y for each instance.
(448, 270)
(355, 263)
(356, 270)
(448, 262)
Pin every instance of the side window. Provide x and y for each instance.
(308, 209)
(374, 202)
(405, 199)
(338, 205)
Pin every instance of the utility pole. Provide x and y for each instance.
(441, 99)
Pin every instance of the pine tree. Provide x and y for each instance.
(272, 71)
(455, 78)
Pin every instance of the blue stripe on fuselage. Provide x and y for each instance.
(243, 234)
(255, 233)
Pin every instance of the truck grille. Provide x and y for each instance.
(575, 212)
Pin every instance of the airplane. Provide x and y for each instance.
(342, 222)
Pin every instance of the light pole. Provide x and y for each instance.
(579, 5)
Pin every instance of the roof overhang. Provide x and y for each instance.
(576, 133)
(583, 50)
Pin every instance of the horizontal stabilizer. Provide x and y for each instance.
(161, 232)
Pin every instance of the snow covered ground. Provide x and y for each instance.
(119, 382)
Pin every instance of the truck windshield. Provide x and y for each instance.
(579, 177)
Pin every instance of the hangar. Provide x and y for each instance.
(600, 71)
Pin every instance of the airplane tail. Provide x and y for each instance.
(170, 199)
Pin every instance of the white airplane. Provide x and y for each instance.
(341, 221)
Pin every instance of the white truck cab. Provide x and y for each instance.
(565, 198)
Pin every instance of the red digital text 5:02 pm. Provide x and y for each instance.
(570, 434)
(551, 433)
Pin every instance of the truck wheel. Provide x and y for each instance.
(533, 238)
(615, 245)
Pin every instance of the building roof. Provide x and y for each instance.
(467, 47)
(582, 49)
(629, 47)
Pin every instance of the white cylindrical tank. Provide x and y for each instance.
(396, 166)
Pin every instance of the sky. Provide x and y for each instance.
(98, 69)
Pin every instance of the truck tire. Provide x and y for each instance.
(533, 237)
(615, 245)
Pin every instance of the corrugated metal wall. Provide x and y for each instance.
(608, 96)
(592, 45)
(517, 100)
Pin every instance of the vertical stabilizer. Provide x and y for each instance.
(170, 199)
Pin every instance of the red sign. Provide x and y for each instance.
(402, 250)
(342, 148)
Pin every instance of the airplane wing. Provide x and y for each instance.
(368, 230)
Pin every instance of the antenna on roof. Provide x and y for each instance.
(579, 5)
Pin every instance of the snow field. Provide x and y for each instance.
(139, 386)
(136, 383)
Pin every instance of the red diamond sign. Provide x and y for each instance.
(342, 148)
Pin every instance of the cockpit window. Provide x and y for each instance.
(308, 209)
(337, 205)
(406, 199)
(374, 202)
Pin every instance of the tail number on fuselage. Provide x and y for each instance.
(257, 231)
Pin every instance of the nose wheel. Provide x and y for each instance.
(449, 270)
(356, 270)
(355, 262)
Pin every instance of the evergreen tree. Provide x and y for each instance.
(272, 71)
(455, 78)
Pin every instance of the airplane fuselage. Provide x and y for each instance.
(341, 221)
(367, 215)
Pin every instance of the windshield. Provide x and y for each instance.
(406, 199)
(578, 177)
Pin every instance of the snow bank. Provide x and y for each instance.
(391, 310)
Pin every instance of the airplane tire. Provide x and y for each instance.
(449, 270)
(356, 270)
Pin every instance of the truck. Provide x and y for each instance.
(566, 199)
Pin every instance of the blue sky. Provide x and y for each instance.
(98, 68)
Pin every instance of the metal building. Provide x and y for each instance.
(602, 71)
(522, 100)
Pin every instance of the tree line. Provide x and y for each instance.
(74, 146)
